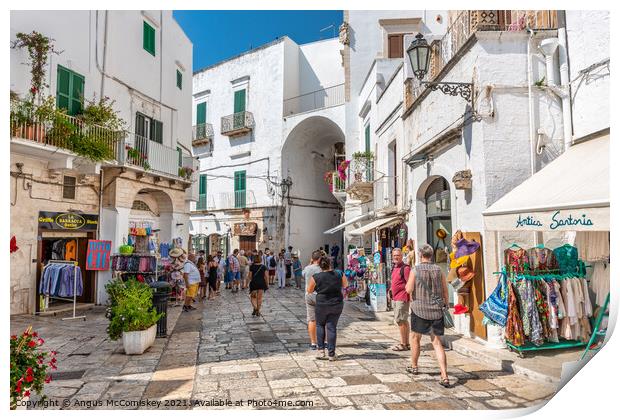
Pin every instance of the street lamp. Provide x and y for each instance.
(419, 53)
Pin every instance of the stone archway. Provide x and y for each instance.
(307, 153)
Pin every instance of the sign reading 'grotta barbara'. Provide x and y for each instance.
(558, 220)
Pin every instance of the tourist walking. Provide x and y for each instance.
(288, 263)
(191, 275)
(244, 268)
(329, 304)
(212, 267)
(272, 265)
(281, 271)
(235, 270)
(429, 294)
(400, 298)
(297, 271)
(221, 270)
(202, 268)
(310, 298)
(258, 284)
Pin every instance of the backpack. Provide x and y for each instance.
(272, 262)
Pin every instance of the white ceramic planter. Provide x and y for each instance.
(136, 342)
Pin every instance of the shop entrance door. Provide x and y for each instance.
(247, 243)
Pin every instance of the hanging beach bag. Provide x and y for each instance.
(495, 307)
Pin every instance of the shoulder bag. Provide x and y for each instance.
(437, 300)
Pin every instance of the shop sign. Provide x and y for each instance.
(245, 229)
(558, 220)
(67, 221)
(98, 255)
(378, 297)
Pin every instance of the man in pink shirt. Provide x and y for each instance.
(400, 298)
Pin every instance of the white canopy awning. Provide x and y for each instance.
(570, 193)
(347, 223)
(379, 223)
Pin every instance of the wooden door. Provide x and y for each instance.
(247, 243)
(477, 293)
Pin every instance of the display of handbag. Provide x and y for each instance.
(495, 307)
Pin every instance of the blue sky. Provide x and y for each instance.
(220, 34)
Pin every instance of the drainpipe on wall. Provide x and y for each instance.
(567, 114)
(530, 101)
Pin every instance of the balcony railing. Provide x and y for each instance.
(64, 131)
(237, 124)
(361, 170)
(468, 22)
(201, 134)
(201, 204)
(149, 155)
(323, 98)
(229, 200)
(338, 185)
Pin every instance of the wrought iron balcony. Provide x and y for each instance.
(237, 124)
(64, 132)
(138, 151)
(202, 134)
(361, 177)
(464, 25)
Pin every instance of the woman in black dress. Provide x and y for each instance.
(328, 286)
(212, 266)
(258, 284)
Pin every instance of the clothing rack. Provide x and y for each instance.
(74, 300)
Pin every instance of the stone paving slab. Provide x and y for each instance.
(222, 353)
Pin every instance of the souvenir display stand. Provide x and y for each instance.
(143, 267)
(49, 295)
(548, 300)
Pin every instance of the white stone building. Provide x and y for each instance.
(267, 124)
(142, 60)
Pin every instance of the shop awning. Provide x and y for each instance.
(347, 223)
(379, 223)
(570, 193)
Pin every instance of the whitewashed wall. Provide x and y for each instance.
(588, 43)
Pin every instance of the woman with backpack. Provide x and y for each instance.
(271, 260)
(258, 283)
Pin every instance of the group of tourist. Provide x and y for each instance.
(419, 293)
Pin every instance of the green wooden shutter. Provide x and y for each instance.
(69, 91)
(157, 131)
(201, 113)
(239, 189)
(367, 138)
(180, 152)
(139, 124)
(148, 38)
(63, 94)
(179, 79)
(202, 193)
(77, 93)
(239, 101)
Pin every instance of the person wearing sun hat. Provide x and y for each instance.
(191, 275)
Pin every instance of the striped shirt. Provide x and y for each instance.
(422, 304)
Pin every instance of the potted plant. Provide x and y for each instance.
(186, 172)
(132, 315)
(362, 164)
(29, 367)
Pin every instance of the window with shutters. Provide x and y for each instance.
(202, 193)
(68, 187)
(239, 116)
(239, 189)
(69, 91)
(179, 80)
(367, 138)
(180, 152)
(148, 38)
(395, 46)
(148, 128)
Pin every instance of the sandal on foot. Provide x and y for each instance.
(445, 383)
(412, 370)
(400, 347)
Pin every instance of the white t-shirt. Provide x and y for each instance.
(193, 275)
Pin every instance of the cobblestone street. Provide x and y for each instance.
(222, 353)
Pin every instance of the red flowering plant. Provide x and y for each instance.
(342, 168)
(29, 365)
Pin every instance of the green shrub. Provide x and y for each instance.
(131, 307)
